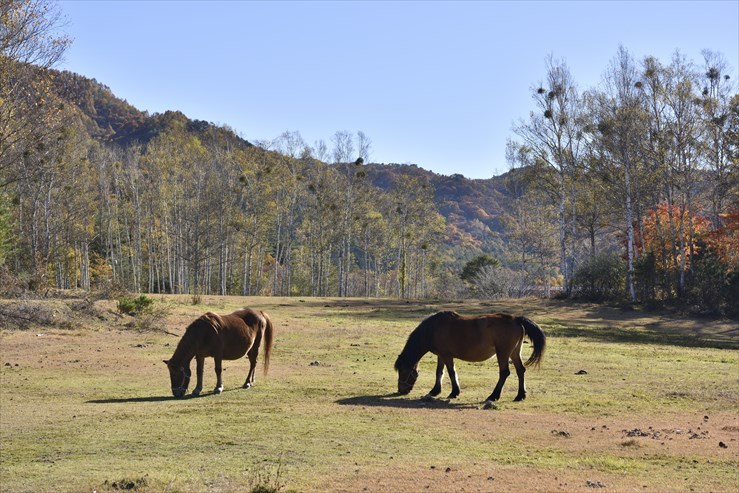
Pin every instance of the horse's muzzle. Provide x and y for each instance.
(405, 390)
(179, 392)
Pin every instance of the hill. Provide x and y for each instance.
(113, 120)
(472, 208)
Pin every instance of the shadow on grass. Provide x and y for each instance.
(132, 400)
(642, 336)
(153, 398)
(397, 401)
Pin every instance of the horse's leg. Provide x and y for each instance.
(520, 370)
(439, 376)
(252, 355)
(219, 369)
(449, 362)
(503, 372)
(200, 361)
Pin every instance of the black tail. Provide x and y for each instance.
(537, 337)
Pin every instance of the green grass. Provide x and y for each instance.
(90, 409)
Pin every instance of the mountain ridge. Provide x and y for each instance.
(473, 208)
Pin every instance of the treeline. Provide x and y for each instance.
(188, 214)
(632, 184)
(625, 191)
(191, 208)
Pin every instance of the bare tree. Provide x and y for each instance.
(621, 127)
(716, 93)
(554, 136)
(30, 43)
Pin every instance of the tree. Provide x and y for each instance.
(416, 225)
(531, 232)
(621, 126)
(720, 142)
(553, 135)
(343, 152)
(672, 151)
(473, 267)
(30, 43)
(657, 241)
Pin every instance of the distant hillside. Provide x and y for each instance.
(472, 208)
(111, 119)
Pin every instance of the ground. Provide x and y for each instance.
(625, 400)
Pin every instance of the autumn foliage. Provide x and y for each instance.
(669, 233)
(724, 241)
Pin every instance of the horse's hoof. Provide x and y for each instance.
(195, 392)
(489, 405)
(452, 396)
(218, 390)
(519, 398)
(246, 385)
(428, 398)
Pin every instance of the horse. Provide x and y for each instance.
(221, 337)
(450, 335)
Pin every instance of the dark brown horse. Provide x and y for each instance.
(220, 337)
(471, 338)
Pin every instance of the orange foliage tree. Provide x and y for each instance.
(724, 241)
(667, 235)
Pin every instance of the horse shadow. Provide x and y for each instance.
(397, 401)
(153, 398)
(133, 400)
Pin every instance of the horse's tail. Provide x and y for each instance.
(269, 332)
(537, 337)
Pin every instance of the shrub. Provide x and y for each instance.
(476, 265)
(132, 305)
(713, 287)
(499, 282)
(600, 278)
(645, 278)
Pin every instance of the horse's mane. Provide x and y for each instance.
(419, 340)
(206, 321)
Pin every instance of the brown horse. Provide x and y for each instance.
(220, 337)
(471, 338)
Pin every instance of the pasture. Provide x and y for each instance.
(624, 401)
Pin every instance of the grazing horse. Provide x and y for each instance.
(449, 335)
(220, 337)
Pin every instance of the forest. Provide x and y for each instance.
(623, 192)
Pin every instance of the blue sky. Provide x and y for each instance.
(437, 84)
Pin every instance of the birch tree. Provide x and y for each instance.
(621, 126)
(717, 89)
(554, 136)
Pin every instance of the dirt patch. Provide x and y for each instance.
(690, 437)
(478, 477)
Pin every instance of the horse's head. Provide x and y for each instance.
(179, 376)
(407, 377)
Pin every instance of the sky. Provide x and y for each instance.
(434, 83)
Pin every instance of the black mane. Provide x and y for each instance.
(419, 341)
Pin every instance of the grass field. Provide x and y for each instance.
(624, 401)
